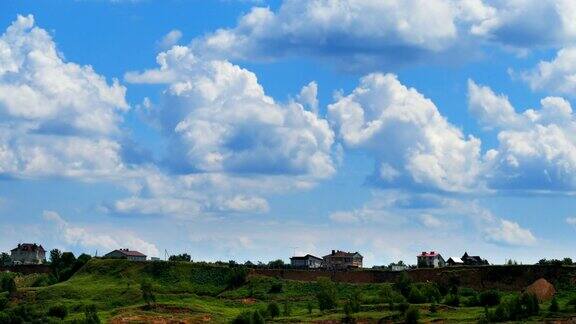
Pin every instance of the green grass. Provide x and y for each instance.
(200, 291)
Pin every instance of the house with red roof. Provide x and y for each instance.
(28, 253)
(126, 254)
(430, 259)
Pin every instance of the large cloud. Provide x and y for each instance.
(537, 148)
(219, 119)
(414, 145)
(357, 33)
(58, 118)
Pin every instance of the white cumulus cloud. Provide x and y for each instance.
(413, 144)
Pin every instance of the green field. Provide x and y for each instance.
(194, 292)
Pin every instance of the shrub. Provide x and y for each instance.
(310, 307)
(403, 307)
(147, 293)
(515, 309)
(467, 292)
(286, 309)
(276, 288)
(249, 317)
(91, 315)
(8, 285)
(431, 292)
(273, 310)
(390, 296)
(326, 294)
(237, 277)
(471, 301)
(5, 318)
(433, 308)
(412, 315)
(58, 311)
(415, 296)
(3, 302)
(452, 300)
(489, 298)
(402, 284)
(554, 306)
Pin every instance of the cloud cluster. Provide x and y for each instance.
(58, 118)
(73, 235)
(557, 76)
(536, 148)
(413, 144)
(219, 119)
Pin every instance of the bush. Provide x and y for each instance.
(5, 318)
(515, 309)
(286, 305)
(415, 296)
(8, 285)
(403, 307)
(326, 294)
(412, 315)
(489, 298)
(147, 293)
(273, 310)
(276, 288)
(58, 311)
(402, 284)
(249, 317)
(467, 292)
(431, 293)
(554, 306)
(390, 296)
(3, 302)
(471, 301)
(91, 315)
(237, 277)
(452, 300)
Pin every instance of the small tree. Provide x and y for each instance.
(147, 293)
(276, 264)
(489, 298)
(326, 294)
(310, 307)
(180, 257)
(286, 308)
(415, 296)
(402, 284)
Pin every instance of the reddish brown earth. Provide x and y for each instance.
(542, 289)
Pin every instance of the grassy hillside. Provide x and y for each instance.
(192, 292)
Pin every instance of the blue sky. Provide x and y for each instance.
(248, 130)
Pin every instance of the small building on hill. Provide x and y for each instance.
(28, 253)
(430, 259)
(306, 262)
(339, 260)
(126, 254)
(473, 260)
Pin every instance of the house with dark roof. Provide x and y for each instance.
(28, 253)
(466, 260)
(126, 254)
(339, 260)
(430, 259)
(306, 262)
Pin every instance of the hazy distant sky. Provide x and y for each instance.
(250, 130)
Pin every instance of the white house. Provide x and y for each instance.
(308, 261)
(126, 254)
(28, 253)
(430, 259)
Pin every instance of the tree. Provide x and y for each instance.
(489, 298)
(55, 255)
(185, 257)
(5, 259)
(276, 264)
(567, 261)
(326, 294)
(147, 293)
(415, 296)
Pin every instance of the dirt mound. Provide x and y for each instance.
(542, 289)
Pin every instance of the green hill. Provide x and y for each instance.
(198, 292)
